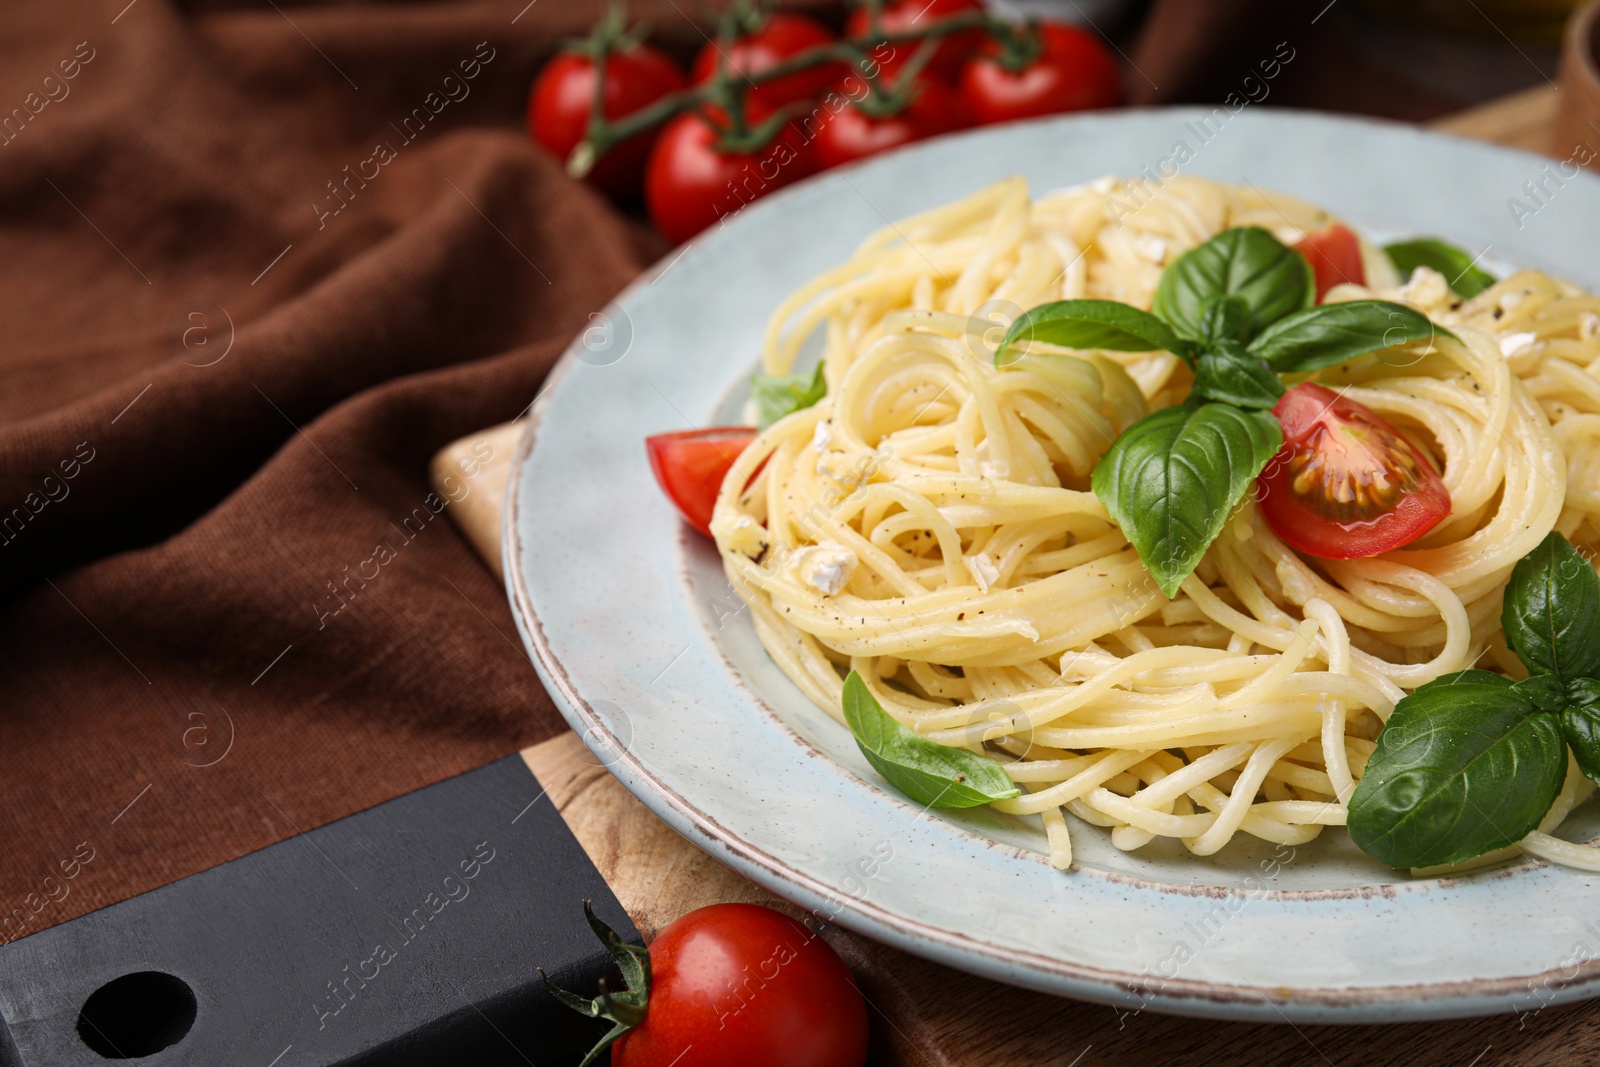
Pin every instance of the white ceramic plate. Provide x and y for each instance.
(643, 644)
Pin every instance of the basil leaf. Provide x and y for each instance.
(1245, 382)
(1543, 691)
(1094, 324)
(1466, 280)
(1272, 280)
(926, 771)
(1459, 770)
(777, 395)
(1224, 319)
(1334, 333)
(1172, 479)
(1580, 722)
(1552, 611)
(1470, 675)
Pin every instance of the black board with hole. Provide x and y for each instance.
(405, 934)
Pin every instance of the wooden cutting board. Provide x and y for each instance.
(926, 1014)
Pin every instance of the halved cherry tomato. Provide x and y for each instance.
(690, 183)
(1073, 71)
(782, 36)
(909, 15)
(851, 134)
(1334, 253)
(739, 985)
(563, 96)
(1346, 484)
(690, 465)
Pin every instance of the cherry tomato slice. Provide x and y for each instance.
(563, 96)
(1345, 484)
(1334, 253)
(690, 183)
(852, 134)
(784, 35)
(745, 986)
(1072, 72)
(910, 15)
(690, 465)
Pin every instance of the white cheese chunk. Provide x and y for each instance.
(1426, 288)
(1149, 246)
(988, 465)
(825, 567)
(743, 535)
(983, 570)
(822, 436)
(1513, 343)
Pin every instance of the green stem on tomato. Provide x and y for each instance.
(604, 134)
(882, 104)
(1020, 47)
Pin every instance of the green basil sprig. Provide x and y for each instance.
(1465, 278)
(1175, 476)
(1336, 333)
(926, 771)
(1268, 277)
(777, 395)
(1471, 762)
(1238, 310)
(1095, 324)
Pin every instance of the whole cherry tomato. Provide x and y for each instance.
(691, 181)
(1071, 71)
(1346, 484)
(563, 97)
(852, 133)
(742, 986)
(783, 36)
(906, 16)
(1334, 253)
(689, 466)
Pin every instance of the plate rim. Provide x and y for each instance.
(1179, 996)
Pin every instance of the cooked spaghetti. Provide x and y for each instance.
(929, 523)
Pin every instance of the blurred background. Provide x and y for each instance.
(1402, 59)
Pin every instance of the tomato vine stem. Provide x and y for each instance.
(729, 91)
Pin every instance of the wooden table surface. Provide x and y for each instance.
(926, 1014)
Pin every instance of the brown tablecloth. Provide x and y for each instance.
(235, 330)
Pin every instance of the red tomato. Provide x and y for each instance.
(691, 464)
(1072, 72)
(906, 16)
(783, 36)
(563, 96)
(1346, 484)
(742, 985)
(852, 134)
(690, 183)
(1335, 257)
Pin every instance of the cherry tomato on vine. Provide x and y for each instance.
(692, 181)
(803, 1011)
(1072, 71)
(563, 96)
(783, 36)
(690, 465)
(1334, 253)
(730, 985)
(1345, 484)
(853, 133)
(906, 16)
